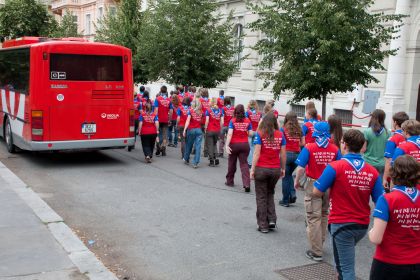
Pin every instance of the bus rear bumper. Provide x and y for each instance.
(81, 144)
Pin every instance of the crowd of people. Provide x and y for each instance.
(338, 171)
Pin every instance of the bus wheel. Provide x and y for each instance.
(9, 137)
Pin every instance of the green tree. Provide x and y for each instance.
(123, 29)
(25, 18)
(67, 27)
(321, 46)
(186, 42)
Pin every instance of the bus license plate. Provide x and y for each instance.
(89, 128)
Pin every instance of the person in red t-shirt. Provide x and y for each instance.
(220, 100)
(148, 129)
(396, 225)
(182, 113)
(315, 157)
(308, 126)
(214, 122)
(172, 130)
(195, 134)
(351, 182)
(267, 168)
(254, 115)
(237, 147)
(228, 110)
(293, 134)
(163, 108)
(205, 105)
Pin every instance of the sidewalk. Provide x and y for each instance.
(35, 243)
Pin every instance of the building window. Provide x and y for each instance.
(346, 116)
(261, 104)
(232, 100)
(87, 25)
(238, 33)
(74, 19)
(299, 110)
(112, 11)
(100, 12)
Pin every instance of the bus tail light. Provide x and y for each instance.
(132, 123)
(37, 122)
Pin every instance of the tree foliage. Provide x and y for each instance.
(321, 46)
(123, 28)
(186, 42)
(25, 18)
(67, 27)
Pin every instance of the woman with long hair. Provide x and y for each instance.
(182, 114)
(376, 137)
(148, 130)
(213, 125)
(395, 225)
(254, 115)
(172, 131)
(268, 166)
(195, 134)
(336, 129)
(237, 147)
(293, 134)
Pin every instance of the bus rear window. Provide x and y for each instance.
(75, 67)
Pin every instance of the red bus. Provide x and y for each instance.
(65, 94)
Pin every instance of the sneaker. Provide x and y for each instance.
(216, 161)
(271, 225)
(229, 185)
(263, 230)
(284, 204)
(292, 199)
(148, 159)
(310, 255)
(195, 166)
(212, 164)
(157, 152)
(247, 189)
(164, 151)
(186, 162)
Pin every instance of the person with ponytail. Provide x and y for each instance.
(254, 115)
(293, 134)
(268, 166)
(237, 147)
(148, 130)
(214, 122)
(193, 133)
(336, 129)
(376, 137)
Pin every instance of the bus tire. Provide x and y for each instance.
(8, 137)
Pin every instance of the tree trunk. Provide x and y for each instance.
(324, 105)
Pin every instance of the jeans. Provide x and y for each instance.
(163, 134)
(287, 184)
(251, 148)
(222, 136)
(173, 138)
(344, 238)
(265, 183)
(194, 137)
(239, 151)
(148, 143)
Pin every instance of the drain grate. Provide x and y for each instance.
(317, 271)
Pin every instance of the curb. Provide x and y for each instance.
(79, 254)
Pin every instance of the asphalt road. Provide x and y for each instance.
(167, 220)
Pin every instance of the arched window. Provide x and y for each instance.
(238, 33)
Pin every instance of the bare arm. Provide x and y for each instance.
(187, 123)
(302, 141)
(317, 193)
(386, 173)
(283, 158)
(377, 232)
(255, 158)
(228, 139)
(141, 125)
(299, 173)
(207, 123)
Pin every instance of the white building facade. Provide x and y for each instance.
(398, 88)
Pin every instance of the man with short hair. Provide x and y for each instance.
(163, 108)
(393, 142)
(315, 157)
(411, 130)
(308, 126)
(351, 182)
